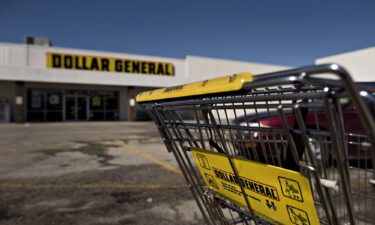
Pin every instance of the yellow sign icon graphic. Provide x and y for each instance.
(297, 216)
(203, 161)
(281, 195)
(291, 189)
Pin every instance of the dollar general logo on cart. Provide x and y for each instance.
(253, 186)
(108, 64)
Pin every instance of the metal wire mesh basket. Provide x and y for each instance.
(288, 147)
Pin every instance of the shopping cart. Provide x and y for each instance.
(291, 147)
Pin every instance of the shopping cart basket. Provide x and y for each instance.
(290, 147)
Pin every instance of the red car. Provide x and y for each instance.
(268, 145)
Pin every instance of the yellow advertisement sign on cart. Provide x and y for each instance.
(273, 192)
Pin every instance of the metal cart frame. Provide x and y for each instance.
(290, 122)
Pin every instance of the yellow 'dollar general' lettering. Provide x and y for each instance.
(108, 64)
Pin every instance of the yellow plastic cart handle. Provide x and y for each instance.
(216, 85)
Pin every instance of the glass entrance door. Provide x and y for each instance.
(82, 108)
(70, 108)
(76, 108)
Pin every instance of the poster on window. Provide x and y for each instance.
(36, 102)
(4, 112)
(36, 99)
(54, 99)
(96, 101)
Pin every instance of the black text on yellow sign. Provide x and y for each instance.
(108, 64)
(253, 186)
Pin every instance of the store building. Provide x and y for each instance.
(360, 63)
(47, 84)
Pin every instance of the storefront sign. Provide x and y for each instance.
(108, 64)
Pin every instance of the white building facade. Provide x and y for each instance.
(360, 63)
(47, 84)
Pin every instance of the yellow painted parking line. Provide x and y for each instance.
(92, 186)
(7, 149)
(150, 157)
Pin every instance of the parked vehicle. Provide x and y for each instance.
(315, 121)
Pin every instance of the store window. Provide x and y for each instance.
(44, 105)
(104, 106)
(72, 105)
(54, 106)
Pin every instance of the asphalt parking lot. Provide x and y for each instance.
(90, 173)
